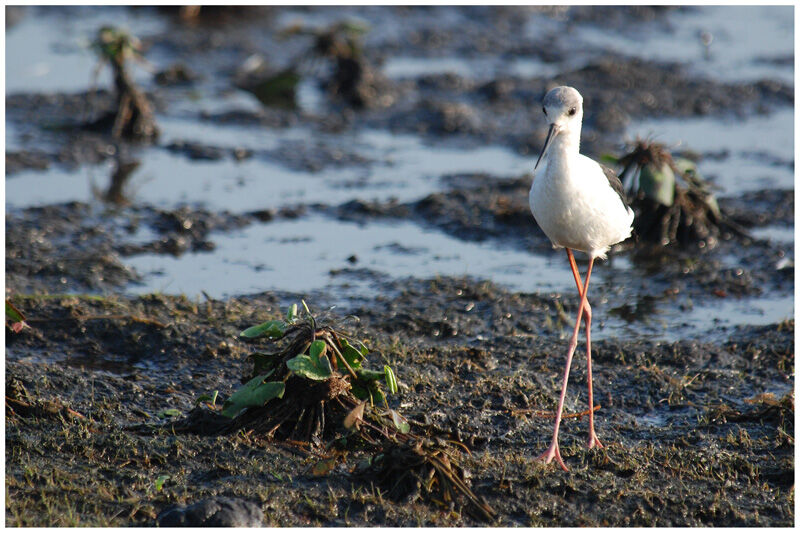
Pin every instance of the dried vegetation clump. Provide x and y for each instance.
(673, 204)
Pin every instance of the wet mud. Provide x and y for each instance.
(697, 431)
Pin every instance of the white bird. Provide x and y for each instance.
(580, 205)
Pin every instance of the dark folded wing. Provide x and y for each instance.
(615, 184)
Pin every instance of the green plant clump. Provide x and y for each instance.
(306, 377)
(310, 385)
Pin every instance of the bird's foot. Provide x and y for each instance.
(551, 452)
(594, 441)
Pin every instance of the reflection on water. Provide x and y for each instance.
(403, 167)
(117, 191)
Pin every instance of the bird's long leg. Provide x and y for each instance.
(587, 318)
(553, 450)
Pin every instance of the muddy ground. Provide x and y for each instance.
(693, 432)
(698, 432)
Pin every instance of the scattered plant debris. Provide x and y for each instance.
(765, 408)
(409, 467)
(21, 404)
(272, 88)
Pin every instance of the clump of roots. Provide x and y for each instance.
(415, 468)
(310, 410)
(307, 413)
(668, 212)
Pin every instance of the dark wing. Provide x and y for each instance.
(615, 184)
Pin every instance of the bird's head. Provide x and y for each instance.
(563, 107)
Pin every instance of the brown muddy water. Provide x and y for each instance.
(403, 203)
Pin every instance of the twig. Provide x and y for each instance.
(550, 414)
(343, 360)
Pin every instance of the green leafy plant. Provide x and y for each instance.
(329, 353)
(210, 399)
(159, 482)
(315, 365)
(315, 371)
(167, 413)
(273, 329)
(255, 393)
(312, 383)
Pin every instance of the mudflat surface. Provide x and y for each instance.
(410, 212)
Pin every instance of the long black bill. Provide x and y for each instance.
(551, 134)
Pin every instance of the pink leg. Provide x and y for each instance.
(593, 440)
(553, 450)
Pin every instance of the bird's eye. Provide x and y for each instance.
(544, 110)
(572, 111)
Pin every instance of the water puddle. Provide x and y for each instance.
(402, 167)
(482, 68)
(747, 43)
(711, 319)
(754, 153)
(59, 58)
(300, 255)
(737, 312)
(652, 420)
(777, 234)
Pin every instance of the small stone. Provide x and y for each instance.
(213, 512)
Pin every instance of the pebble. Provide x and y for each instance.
(213, 512)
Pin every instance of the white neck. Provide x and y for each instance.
(568, 142)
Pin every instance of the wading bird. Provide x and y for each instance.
(580, 205)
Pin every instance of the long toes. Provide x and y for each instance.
(561, 463)
(594, 442)
(547, 456)
(553, 452)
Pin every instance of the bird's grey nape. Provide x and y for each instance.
(563, 97)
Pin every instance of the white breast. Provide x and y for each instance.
(576, 207)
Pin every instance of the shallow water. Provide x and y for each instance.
(742, 154)
(484, 69)
(302, 254)
(403, 167)
(50, 51)
(743, 40)
(780, 234)
(757, 152)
